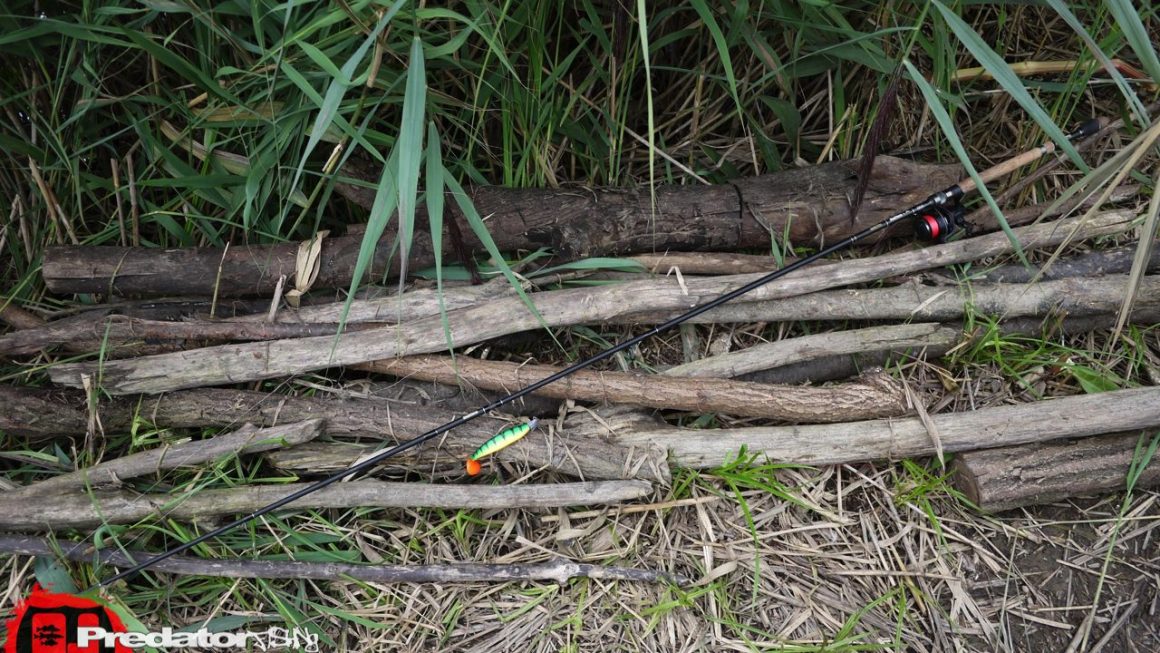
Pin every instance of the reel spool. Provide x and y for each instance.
(940, 222)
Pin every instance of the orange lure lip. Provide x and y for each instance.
(473, 467)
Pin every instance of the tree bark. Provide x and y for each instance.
(871, 397)
(574, 223)
(265, 360)
(54, 512)
(1043, 472)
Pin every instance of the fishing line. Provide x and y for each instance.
(936, 219)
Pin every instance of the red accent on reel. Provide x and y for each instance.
(932, 226)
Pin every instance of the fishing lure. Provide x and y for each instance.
(504, 438)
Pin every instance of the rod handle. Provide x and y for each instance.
(1089, 128)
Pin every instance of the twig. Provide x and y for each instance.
(54, 512)
(248, 439)
(558, 571)
(769, 355)
(121, 328)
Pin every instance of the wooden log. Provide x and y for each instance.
(116, 328)
(1044, 472)
(1117, 260)
(558, 571)
(894, 439)
(873, 396)
(18, 318)
(41, 414)
(915, 301)
(55, 512)
(255, 361)
(575, 223)
(247, 439)
(769, 355)
(829, 368)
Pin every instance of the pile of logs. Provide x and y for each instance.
(178, 363)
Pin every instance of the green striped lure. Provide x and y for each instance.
(504, 438)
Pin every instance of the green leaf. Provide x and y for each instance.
(1092, 381)
(386, 198)
(596, 263)
(336, 91)
(1010, 82)
(1109, 67)
(1128, 17)
(53, 576)
(410, 150)
(722, 47)
(435, 204)
(480, 229)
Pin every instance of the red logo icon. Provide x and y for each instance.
(49, 623)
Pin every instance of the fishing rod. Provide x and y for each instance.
(936, 219)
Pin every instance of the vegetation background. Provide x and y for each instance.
(170, 123)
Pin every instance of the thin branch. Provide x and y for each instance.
(559, 571)
(869, 398)
(54, 512)
(248, 439)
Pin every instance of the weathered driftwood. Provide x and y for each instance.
(54, 512)
(1070, 295)
(915, 301)
(574, 222)
(40, 414)
(893, 439)
(119, 328)
(17, 317)
(559, 571)
(1117, 260)
(828, 368)
(255, 361)
(385, 305)
(711, 263)
(248, 439)
(1043, 472)
(870, 397)
(764, 356)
